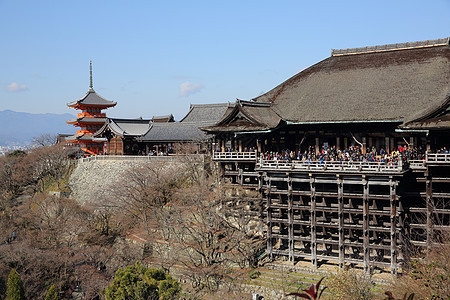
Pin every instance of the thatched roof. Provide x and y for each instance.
(392, 85)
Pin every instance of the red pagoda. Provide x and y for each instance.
(89, 120)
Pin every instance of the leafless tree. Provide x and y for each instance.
(45, 140)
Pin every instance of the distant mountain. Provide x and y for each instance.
(19, 128)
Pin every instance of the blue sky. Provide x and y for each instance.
(157, 57)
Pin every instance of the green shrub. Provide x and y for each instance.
(15, 289)
(139, 282)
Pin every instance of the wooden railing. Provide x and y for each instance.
(200, 157)
(440, 158)
(240, 156)
(417, 164)
(331, 166)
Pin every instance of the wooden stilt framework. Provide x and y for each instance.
(374, 218)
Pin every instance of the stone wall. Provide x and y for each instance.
(91, 181)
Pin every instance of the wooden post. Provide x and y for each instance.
(345, 143)
(393, 204)
(240, 145)
(269, 221)
(258, 145)
(366, 249)
(364, 145)
(338, 143)
(341, 222)
(388, 147)
(317, 146)
(313, 221)
(429, 204)
(291, 221)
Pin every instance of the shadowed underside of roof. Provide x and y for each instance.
(385, 86)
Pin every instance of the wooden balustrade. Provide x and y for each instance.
(235, 156)
(331, 166)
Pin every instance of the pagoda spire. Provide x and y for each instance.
(91, 86)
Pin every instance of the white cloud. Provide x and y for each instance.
(15, 87)
(187, 88)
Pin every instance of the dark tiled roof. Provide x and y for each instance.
(174, 132)
(92, 98)
(206, 112)
(126, 127)
(188, 129)
(166, 118)
(382, 86)
(86, 120)
(85, 137)
(247, 116)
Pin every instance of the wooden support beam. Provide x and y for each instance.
(429, 204)
(317, 146)
(341, 222)
(366, 252)
(393, 206)
(388, 146)
(313, 222)
(364, 145)
(291, 222)
(269, 223)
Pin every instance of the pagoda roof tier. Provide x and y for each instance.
(85, 137)
(91, 99)
(86, 120)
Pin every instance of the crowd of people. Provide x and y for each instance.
(350, 154)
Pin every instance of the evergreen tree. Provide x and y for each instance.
(139, 282)
(52, 294)
(15, 289)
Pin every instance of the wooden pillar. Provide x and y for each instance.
(364, 145)
(370, 145)
(345, 143)
(317, 146)
(366, 250)
(269, 220)
(393, 204)
(258, 145)
(240, 145)
(313, 222)
(290, 220)
(338, 143)
(392, 142)
(388, 146)
(223, 143)
(429, 204)
(411, 141)
(341, 222)
(377, 144)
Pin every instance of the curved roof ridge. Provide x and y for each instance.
(391, 47)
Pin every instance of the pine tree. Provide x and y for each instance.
(52, 294)
(14, 290)
(139, 282)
